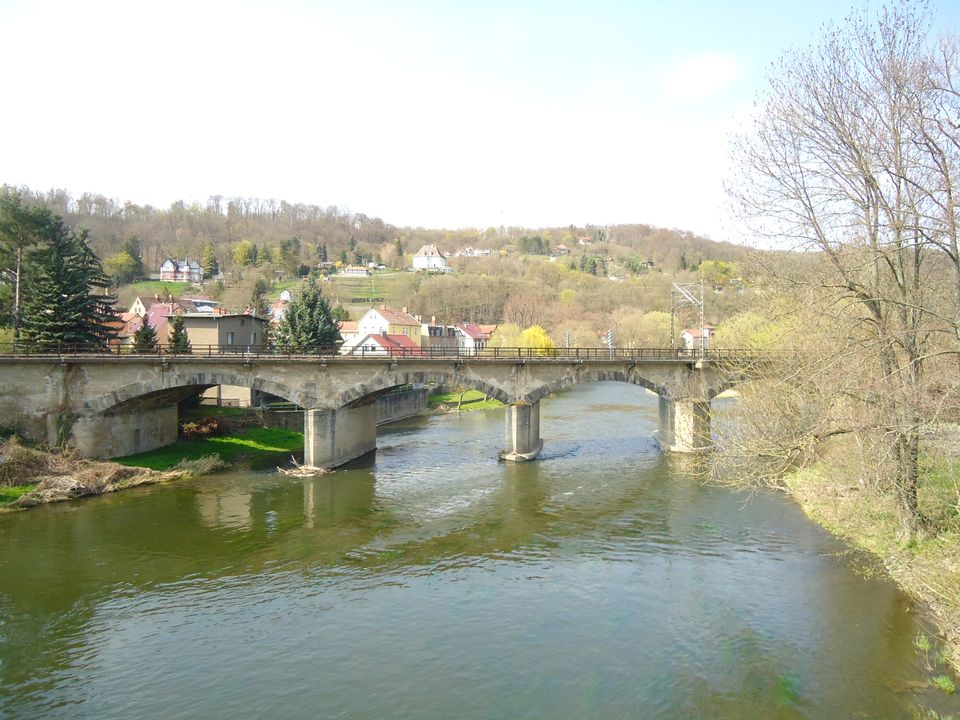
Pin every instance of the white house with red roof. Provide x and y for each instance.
(387, 345)
(471, 338)
(349, 334)
(692, 337)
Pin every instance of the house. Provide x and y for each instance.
(561, 249)
(377, 321)
(438, 339)
(385, 344)
(355, 271)
(230, 332)
(692, 337)
(429, 258)
(350, 335)
(181, 271)
(471, 338)
(138, 307)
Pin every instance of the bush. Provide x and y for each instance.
(208, 427)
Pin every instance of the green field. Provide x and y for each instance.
(249, 444)
(472, 400)
(148, 289)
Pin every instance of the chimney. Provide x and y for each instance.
(418, 318)
(156, 297)
(433, 319)
(404, 308)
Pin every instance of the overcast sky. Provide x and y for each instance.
(439, 113)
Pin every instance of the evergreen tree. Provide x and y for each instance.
(20, 228)
(132, 247)
(179, 340)
(322, 252)
(145, 339)
(65, 305)
(210, 265)
(308, 324)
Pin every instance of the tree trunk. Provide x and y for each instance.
(16, 295)
(907, 453)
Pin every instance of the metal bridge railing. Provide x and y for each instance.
(121, 352)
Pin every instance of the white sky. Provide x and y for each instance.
(421, 113)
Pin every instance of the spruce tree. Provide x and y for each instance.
(64, 305)
(145, 339)
(179, 340)
(308, 325)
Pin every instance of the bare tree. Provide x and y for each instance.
(847, 158)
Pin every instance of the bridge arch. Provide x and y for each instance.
(385, 380)
(169, 382)
(592, 375)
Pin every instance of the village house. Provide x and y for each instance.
(471, 338)
(385, 344)
(349, 334)
(429, 258)
(233, 332)
(692, 337)
(181, 271)
(355, 271)
(377, 321)
(438, 339)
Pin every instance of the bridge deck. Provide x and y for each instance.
(234, 354)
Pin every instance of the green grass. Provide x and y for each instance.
(472, 400)
(253, 443)
(9, 494)
(149, 288)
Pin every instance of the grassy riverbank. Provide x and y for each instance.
(928, 568)
(472, 400)
(247, 444)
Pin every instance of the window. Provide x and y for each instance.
(253, 338)
(230, 338)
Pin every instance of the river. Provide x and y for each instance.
(602, 581)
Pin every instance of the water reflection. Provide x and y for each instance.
(602, 581)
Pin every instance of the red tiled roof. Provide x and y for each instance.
(348, 326)
(397, 317)
(474, 331)
(393, 344)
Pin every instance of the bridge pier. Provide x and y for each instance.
(684, 425)
(335, 437)
(522, 436)
(108, 436)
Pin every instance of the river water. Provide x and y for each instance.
(602, 581)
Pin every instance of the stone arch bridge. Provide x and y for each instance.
(112, 405)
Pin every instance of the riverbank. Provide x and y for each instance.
(30, 477)
(252, 444)
(470, 401)
(928, 568)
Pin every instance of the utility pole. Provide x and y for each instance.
(686, 295)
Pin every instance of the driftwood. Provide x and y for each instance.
(299, 470)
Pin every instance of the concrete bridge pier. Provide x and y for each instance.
(118, 434)
(684, 425)
(335, 437)
(522, 437)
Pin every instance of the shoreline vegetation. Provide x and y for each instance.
(34, 476)
(927, 567)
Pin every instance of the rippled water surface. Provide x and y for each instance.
(436, 582)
